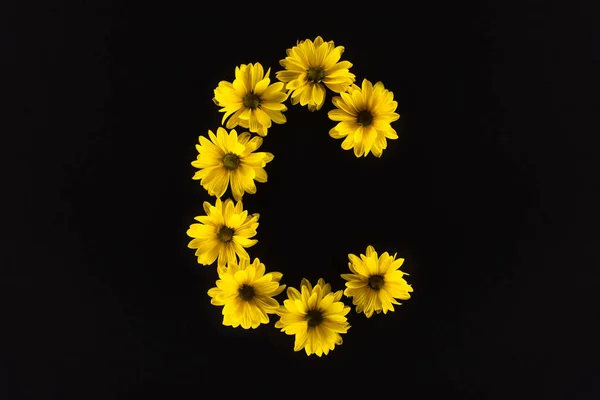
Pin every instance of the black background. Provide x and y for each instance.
(488, 194)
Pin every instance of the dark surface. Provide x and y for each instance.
(488, 194)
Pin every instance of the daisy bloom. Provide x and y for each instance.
(315, 315)
(251, 101)
(375, 282)
(365, 115)
(309, 67)
(228, 159)
(246, 293)
(223, 233)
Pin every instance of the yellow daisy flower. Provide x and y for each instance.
(250, 101)
(246, 293)
(230, 159)
(223, 233)
(315, 315)
(310, 65)
(375, 283)
(365, 115)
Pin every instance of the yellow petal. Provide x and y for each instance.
(340, 115)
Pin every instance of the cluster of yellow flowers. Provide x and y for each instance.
(314, 314)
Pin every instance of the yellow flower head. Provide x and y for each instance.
(315, 315)
(230, 159)
(375, 283)
(365, 115)
(250, 100)
(310, 65)
(223, 233)
(246, 293)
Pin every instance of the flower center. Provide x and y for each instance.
(316, 74)
(225, 234)
(376, 282)
(314, 318)
(246, 292)
(251, 101)
(364, 118)
(231, 161)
